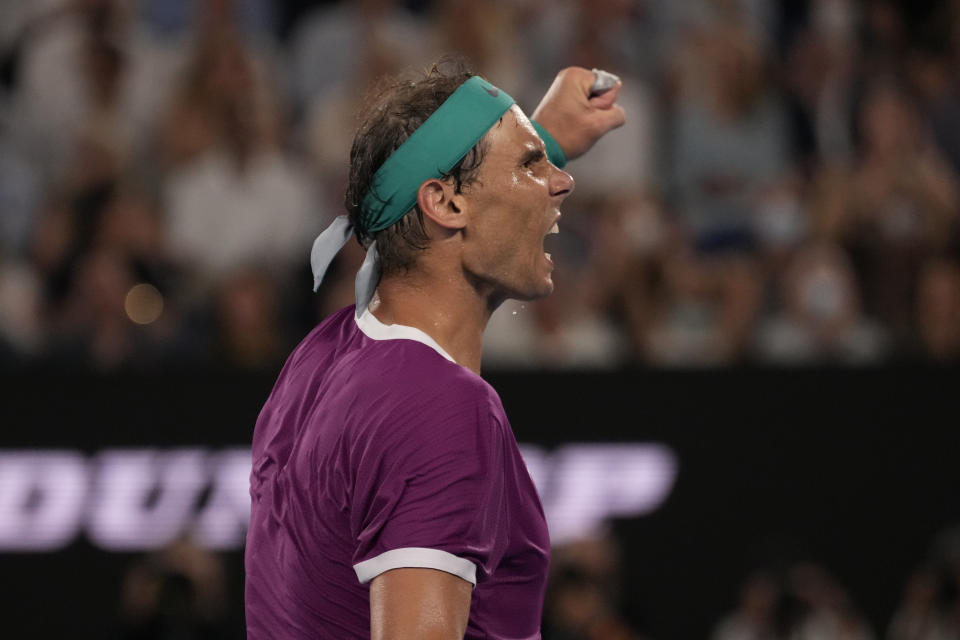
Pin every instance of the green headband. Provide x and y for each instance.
(432, 150)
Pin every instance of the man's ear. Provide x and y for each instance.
(439, 202)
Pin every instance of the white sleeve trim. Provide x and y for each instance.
(416, 557)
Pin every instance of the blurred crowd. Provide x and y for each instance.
(804, 601)
(182, 592)
(786, 190)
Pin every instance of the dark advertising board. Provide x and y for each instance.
(700, 476)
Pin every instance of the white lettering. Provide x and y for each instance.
(591, 483)
(143, 499)
(222, 524)
(42, 496)
(538, 466)
(132, 500)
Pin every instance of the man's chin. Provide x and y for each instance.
(542, 290)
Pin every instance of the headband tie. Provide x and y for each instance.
(430, 152)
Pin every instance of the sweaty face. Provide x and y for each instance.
(512, 206)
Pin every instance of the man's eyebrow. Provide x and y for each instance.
(532, 155)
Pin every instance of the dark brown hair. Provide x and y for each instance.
(398, 108)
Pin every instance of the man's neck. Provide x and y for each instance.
(451, 313)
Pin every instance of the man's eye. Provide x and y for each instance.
(532, 159)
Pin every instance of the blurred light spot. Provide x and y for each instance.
(143, 304)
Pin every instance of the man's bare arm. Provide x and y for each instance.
(419, 604)
(574, 117)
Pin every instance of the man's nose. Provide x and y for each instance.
(561, 183)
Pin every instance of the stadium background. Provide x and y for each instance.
(758, 273)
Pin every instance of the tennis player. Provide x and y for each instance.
(389, 498)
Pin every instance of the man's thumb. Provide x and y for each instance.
(606, 99)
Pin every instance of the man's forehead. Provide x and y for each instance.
(514, 130)
(522, 120)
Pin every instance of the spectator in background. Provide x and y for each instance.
(885, 37)
(896, 206)
(224, 78)
(829, 612)
(81, 66)
(328, 47)
(759, 614)
(781, 226)
(95, 207)
(92, 328)
(485, 32)
(176, 593)
(248, 322)
(703, 310)
(54, 83)
(930, 605)
(172, 18)
(94, 242)
(821, 82)
(727, 147)
(583, 593)
(918, 615)
(931, 72)
(107, 275)
(231, 196)
(41, 115)
(804, 602)
(938, 310)
(640, 238)
(20, 195)
(819, 318)
(21, 289)
(728, 134)
(21, 337)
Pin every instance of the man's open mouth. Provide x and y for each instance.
(555, 229)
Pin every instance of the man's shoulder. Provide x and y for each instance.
(408, 361)
(387, 376)
(333, 331)
(411, 370)
(418, 392)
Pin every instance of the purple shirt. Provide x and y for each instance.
(377, 451)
